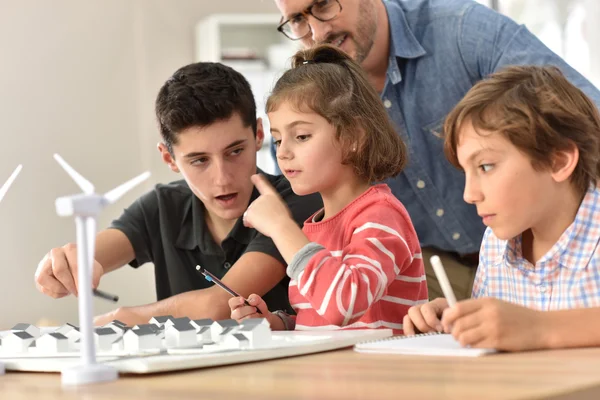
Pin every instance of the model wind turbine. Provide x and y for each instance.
(86, 207)
(3, 191)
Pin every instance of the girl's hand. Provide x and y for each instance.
(268, 214)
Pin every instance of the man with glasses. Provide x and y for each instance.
(423, 56)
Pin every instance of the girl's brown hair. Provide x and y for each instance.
(539, 111)
(327, 81)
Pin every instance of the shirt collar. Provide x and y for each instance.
(577, 244)
(403, 43)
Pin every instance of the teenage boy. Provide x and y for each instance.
(207, 118)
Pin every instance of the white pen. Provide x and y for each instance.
(442, 278)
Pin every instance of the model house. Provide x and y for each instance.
(52, 342)
(236, 341)
(17, 342)
(218, 328)
(180, 335)
(104, 338)
(160, 321)
(143, 338)
(258, 335)
(31, 329)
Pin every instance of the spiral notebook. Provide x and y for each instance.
(426, 344)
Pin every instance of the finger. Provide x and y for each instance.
(54, 295)
(61, 270)
(431, 314)
(97, 273)
(459, 310)
(417, 319)
(45, 281)
(262, 184)
(246, 221)
(235, 302)
(257, 301)
(474, 337)
(465, 323)
(250, 316)
(242, 312)
(407, 326)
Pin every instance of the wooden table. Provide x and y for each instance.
(344, 374)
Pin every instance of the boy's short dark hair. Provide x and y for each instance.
(201, 94)
(539, 111)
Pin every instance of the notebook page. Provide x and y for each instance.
(427, 345)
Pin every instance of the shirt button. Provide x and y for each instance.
(420, 184)
(456, 236)
(543, 288)
(227, 264)
(387, 103)
(439, 212)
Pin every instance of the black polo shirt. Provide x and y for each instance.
(167, 227)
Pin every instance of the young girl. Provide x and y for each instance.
(357, 262)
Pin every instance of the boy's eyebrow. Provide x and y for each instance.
(203, 153)
(478, 152)
(293, 124)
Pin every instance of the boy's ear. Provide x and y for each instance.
(260, 133)
(167, 157)
(564, 163)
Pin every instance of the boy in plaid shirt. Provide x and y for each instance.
(529, 144)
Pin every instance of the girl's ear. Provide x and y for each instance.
(564, 163)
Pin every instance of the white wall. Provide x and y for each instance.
(79, 78)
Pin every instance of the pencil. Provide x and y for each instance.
(442, 278)
(105, 296)
(211, 278)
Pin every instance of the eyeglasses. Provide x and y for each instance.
(298, 27)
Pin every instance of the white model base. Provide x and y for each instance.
(85, 374)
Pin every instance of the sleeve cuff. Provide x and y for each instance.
(301, 259)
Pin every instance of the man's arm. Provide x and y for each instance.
(254, 272)
(490, 41)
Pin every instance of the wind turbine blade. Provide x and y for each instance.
(10, 180)
(83, 183)
(116, 193)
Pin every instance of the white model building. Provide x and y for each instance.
(173, 321)
(143, 338)
(52, 342)
(31, 329)
(104, 338)
(219, 329)
(117, 326)
(236, 341)
(199, 323)
(203, 335)
(258, 335)
(17, 342)
(160, 321)
(180, 335)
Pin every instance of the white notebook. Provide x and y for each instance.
(427, 344)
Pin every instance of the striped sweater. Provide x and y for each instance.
(362, 269)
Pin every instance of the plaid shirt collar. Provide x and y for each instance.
(577, 244)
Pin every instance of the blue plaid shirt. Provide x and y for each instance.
(567, 276)
(439, 49)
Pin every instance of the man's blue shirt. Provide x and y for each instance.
(438, 50)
